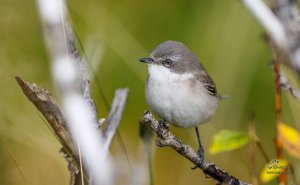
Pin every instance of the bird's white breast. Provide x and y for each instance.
(177, 98)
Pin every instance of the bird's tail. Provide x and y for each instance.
(222, 97)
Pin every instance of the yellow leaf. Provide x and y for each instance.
(227, 140)
(273, 169)
(290, 139)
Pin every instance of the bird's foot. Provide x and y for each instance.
(162, 125)
(200, 153)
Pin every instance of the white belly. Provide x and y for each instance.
(174, 98)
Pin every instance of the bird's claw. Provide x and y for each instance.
(200, 153)
(162, 125)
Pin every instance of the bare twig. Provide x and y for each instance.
(166, 138)
(260, 147)
(269, 21)
(49, 108)
(114, 116)
(47, 105)
(75, 171)
(78, 113)
(83, 69)
(263, 151)
(282, 24)
(252, 149)
(278, 142)
(288, 86)
(288, 13)
(285, 14)
(253, 163)
(256, 140)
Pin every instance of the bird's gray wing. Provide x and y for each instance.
(208, 84)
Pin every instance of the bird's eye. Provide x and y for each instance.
(168, 62)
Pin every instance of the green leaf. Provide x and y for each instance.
(227, 140)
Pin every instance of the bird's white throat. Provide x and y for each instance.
(161, 73)
(179, 99)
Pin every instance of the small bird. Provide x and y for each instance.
(178, 88)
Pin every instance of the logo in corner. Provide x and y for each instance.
(276, 166)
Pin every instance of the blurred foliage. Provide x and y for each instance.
(228, 140)
(290, 139)
(114, 34)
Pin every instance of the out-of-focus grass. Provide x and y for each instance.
(114, 35)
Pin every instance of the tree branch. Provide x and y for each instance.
(166, 138)
(50, 109)
(285, 42)
(288, 86)
(281, 23)
(48, 106)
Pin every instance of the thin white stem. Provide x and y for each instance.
(269, 21)
(66, 73)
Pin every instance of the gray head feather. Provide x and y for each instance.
(183, 59)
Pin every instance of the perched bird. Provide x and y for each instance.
(178, 88)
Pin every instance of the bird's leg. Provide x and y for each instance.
(200, 151)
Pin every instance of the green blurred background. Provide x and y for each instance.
(114, 34)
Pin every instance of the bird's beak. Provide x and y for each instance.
(146, 60)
